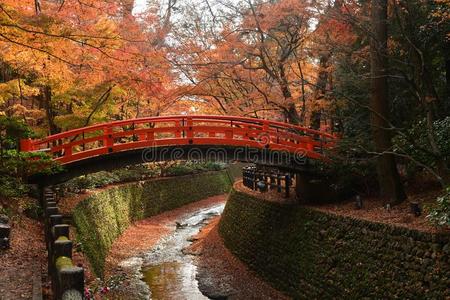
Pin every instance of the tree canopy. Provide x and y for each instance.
(67, 64)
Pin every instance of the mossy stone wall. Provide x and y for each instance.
(309, 254)
(103, 216)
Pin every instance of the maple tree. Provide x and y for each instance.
(74, 63)
(67, 64)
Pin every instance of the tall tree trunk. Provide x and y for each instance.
(390, 185)
(320, 90)
(446, 103)
(291, 112)
(46, 94)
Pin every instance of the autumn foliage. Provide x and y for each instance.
(68, 64)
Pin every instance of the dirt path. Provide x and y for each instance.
(24, 262)
(223, 276)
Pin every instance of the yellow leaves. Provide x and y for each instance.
(106, 26)
(16, 89)
(17, 110)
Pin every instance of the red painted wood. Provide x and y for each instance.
(132, 134)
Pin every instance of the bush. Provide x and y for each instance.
(16, 166)
(350, 169)
(33, 210)
(12, 187)
(179, 170)
(186, 168)
(90, 181)
(439, 213)
(419, 150)
(104, 178)
(135, 173)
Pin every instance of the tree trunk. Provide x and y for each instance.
(46, 94)
(390, 185)
(320, 90)
(291, 112)
(292, 115)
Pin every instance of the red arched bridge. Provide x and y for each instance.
(201, 130)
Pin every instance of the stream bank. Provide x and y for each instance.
(221, 275)
(141, 245)
(104, 215)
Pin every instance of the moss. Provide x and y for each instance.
(63, 262)
(310, 254)
(103, 216)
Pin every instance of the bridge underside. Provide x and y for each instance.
(282, 160)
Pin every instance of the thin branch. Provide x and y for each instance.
(39, 50)
(4, 10)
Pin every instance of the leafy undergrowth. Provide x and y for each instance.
(439, 212)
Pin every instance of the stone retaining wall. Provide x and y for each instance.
(310, 254)
(103, 216)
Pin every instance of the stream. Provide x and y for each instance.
(165, 272)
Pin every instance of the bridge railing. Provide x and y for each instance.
(124, 135)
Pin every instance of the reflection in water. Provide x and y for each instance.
(167, 271)
(173, 280)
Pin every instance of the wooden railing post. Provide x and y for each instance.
(150, 135)
(272, 181)
(190, 129)
(67, 280)
(108, 138)
(278, 183)
(26, 145)
(287, 180)
(67, 150)
(178, 130)
(265, 134)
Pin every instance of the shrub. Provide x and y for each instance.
(11, 187)
(179, 170)
(90, 181)
(350, 170)
(186, 168)
(32, 210)
(439, 213)
(134, 174)
(15, 166)
(419, 149)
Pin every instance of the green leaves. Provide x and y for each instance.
(439, 213)
(416, 144)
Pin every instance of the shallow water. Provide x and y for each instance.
(168, 272)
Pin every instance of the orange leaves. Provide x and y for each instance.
(79, 49)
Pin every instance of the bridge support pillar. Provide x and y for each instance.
(314, 189)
